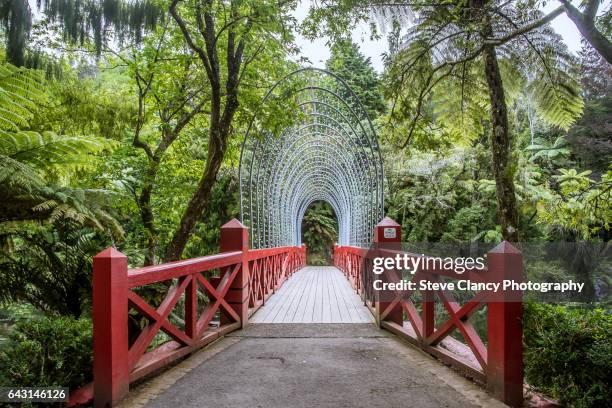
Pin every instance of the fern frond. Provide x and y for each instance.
(557, 98)
(26, 155)
(550, 70)
(14, 174)
(49, 150)
(46, 205)
(21, 91)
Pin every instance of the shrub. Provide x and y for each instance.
(48, 351)
(567, 353)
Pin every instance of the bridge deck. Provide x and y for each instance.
(315, 294)
(309, 365)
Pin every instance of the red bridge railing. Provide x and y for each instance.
(498, 363)
(214, 294)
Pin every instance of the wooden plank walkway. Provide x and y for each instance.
(315, 294)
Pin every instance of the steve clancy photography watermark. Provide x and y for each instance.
(551, 272)
(458, 265)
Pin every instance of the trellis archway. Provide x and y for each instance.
(311, 139)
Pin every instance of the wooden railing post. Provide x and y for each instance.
(388, 235)
(505, 333)
(110, 328)
(428, 307)
(235, 237)
(335, 256)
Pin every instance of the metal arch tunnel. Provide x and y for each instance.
(325, 150)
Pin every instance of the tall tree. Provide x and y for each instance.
(165, 109)
(500, 137)
(228, 38)
(453, 46)
(349, 64)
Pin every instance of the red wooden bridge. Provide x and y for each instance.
(319, 336)
(219, 294)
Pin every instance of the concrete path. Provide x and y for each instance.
(314, 294)
(314, 365)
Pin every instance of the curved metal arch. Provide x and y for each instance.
(287, 172)
(348, 192)
(326, 151)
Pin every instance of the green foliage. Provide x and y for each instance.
(570, 180)
(224, 205)
(567, 353)
(16, 21)
(14, 313)
(436, 198)
(50, 267)
(50, 152)
(18, 312)
(48, 351)
(548, 76)
(29, 159)
(334, 19)
(90, 101)
(464, 225)
(349, 64)
(557, 97)
(428, 92)
(80, 22)
(590, 139)
(320, 232)
(556, 151)
(20, 93)
(580, 204)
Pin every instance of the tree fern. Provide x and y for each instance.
(49, 151)
(17, 175)
(558, 99)
(559, 149)
(20, 92)
(49, 266)
(29, 160)
(85, 206)
(436, 80)
(543, 62)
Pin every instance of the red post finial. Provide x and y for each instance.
(387, 230)
(234, 237)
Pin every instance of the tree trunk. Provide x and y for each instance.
(220, 117)
(146, 212)
(217, 146)
(586, 26)
(216, 151)
(500, 143)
